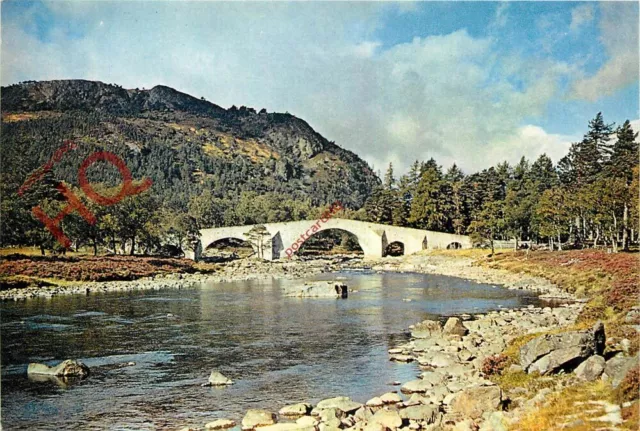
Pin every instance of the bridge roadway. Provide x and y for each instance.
(285, 239)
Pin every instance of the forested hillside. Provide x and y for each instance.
(223, 167)
(589, 199)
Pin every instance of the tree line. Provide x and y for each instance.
(590, 198)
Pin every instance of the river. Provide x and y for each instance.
(278, 350)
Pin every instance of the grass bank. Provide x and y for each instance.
(19, 270)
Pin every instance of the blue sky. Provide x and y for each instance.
(468, 82)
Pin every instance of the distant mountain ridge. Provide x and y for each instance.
(191, 141)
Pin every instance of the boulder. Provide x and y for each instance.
(427, 413)
(219, 424)
(375, 402)
(454, 326)
(442, 360)
(257, 418)
(363, 414)
(67, 368)
(401, 358)
(389, 419)
(475, 400)
(617, 368)
(427, 329)
(288, 427)
(416, 386)
(591, 369)
(331, 417)
(423, 344)
(299, 409)
(307, 421)
(344, 404)
(550, 353)
(391, 398)
(218, 379)
(319, 289)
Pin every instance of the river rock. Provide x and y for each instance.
(389, 419)
(363, 414)
(475, 400)
(416, 386)
(287, 427)
(375, 402)
(67, 368)
(331, 417)
(454, 326)
(391, 398)
(319, 289)
(427, 329)
(299, 409)
(307, 421)
(401, 358)
(591, 369)
(218, 379)
(617, 368)
(344, 404)
(427, 413)
(257, 418)
(219, 424)
(554, 352)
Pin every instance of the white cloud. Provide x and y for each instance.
(449, 96)
(619, 35)
(580, 16)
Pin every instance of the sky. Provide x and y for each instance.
(471, 83)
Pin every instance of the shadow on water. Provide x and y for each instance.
(277, 349)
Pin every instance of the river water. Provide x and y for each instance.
(278, 350)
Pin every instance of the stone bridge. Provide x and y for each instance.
(284, 239)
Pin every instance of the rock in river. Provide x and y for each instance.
(299, 409)
(219, 424)
(257, 418)
(344, 404)
(326, 289)
(67, 368)
(218, 379)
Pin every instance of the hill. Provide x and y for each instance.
(186, 145)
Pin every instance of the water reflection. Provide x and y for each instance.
(277, 349)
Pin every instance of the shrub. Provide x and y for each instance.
(629, 388)
(494, 365)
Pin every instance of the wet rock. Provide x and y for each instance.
(591, 369)
(389, 419)
(474, 401)
(319, 289)
(299, 409)
(218, 379)
(67, 368)
(257, 418)
(219, 424)
(344, 404)
(617, 368)
(554, 352)
(454, 326)
(427, 413)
